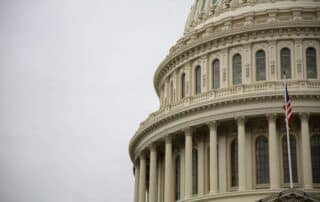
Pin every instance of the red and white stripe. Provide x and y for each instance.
(287, 105)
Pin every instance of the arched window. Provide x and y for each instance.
(194, 171)
(236, 69)
(315, 158)
(234, 163)
(183, 85)
(177, 178)
(215, 74)
(262, 160)
(293, 147)
(198, 80)
(260, 65)
(285, 59)
(311, 63)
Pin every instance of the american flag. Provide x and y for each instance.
(287, 105)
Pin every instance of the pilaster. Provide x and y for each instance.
(224, 68)
(298, 64)
(271, 69)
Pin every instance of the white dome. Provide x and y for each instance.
(205, 11)
(219, 134)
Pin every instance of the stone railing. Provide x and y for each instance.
(223, 94)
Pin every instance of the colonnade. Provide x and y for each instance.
(214, 185)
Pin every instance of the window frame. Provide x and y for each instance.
(255, 167)
(237, 64)
(265, 65)
(213, 74)
(232, 186)
(282, 60)
(316, 184)
(197, 80)
(183, 85)
(177, 178)
(195, 172)
(315, 62)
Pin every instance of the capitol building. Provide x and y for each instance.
(219, 133)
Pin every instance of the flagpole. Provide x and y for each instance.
(288, 136)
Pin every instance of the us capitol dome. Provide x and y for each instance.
(220, 133)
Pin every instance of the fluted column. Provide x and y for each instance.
(213, 158)
(142, 179)
(306, 151)
(168, 171)
(136, 183)
(188, 161)
(241, 153)
(153, 175)
(274, 170)
(201, 168)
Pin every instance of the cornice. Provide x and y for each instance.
(299, 90)
(206, 39)
(202, 117)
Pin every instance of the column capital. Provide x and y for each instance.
(187, 130)
(304, 115)
(152, 146)
(240, 119)
(213, 124)
(142, 156)
(271, 116)
(168, 139)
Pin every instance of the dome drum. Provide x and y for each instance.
(219, 133)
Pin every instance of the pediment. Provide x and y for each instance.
(292, 195)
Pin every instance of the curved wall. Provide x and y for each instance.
(222, 84)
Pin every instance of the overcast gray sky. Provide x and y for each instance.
(75, 82)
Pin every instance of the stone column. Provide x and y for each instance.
(213, 158)
(241, 153)
(136, 183)
(182, 174)
(223, 173)
(168, 171)
(274, 170)
(201, 168)
(153, 175)
(188, 161)
(142, 179)
(306, 151)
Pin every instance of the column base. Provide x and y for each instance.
(275, 187)
(213, 192)
(307, 187)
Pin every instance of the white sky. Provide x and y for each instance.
(76, 79)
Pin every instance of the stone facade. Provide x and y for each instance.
(222, 84)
